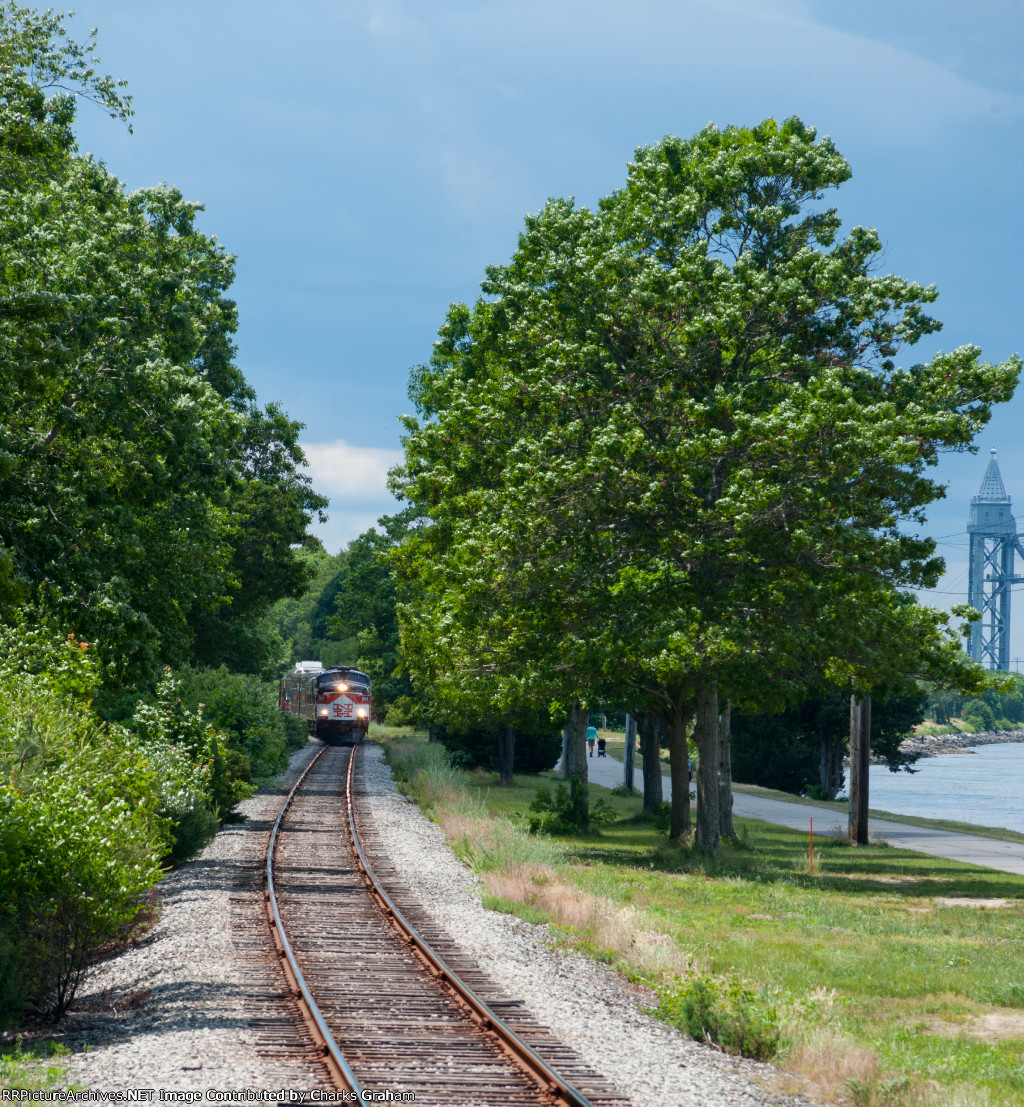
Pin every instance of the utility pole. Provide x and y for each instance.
(860, 761)
(627, 760)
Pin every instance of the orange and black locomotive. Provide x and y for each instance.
(334, 702)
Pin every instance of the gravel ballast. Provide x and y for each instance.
(586, 1004)
(198, 1004)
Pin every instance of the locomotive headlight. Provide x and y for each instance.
(361, 712)
(342, 686)
(323, 710)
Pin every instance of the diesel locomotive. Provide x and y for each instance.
(334, 702)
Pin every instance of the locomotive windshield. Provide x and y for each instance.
(351, 677)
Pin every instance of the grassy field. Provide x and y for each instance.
(884, 978)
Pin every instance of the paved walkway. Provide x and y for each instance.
(1007, 857)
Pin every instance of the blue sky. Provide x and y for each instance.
(366, 160)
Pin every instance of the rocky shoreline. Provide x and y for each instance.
(931, 745)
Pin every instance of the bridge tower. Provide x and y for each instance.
(992, 531)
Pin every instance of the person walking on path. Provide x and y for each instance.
(591, 738)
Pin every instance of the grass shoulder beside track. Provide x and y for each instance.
(883, 977)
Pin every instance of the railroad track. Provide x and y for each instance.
(389, 1002)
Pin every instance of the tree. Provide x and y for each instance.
(144, 497)
(978, 715)
(271, 505)
(301, 623)
(365, 605)
(801, 749)
(673, 447)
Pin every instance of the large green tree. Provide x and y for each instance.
(144, 496)
(672, 447)
(802, 748)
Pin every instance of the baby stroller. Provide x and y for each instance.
(601, 752)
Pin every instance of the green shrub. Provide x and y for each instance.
(81, 836)
(512, 847)
(978, 715)
(245, 709)
(74, 861)
(661, 817)
(296, 732)
(738, 1019)
(87, 810)
(12, 997)
(170, 722)
(566, 810)
(191, 831)
(419, 764)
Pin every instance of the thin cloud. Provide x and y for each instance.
(351, 474)
(355, 478)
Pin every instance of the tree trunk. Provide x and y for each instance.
(649, 729)
(627, 757)
(576, 759)
(830, 764)
(706, 737)
(679, 770)
(506, 754)
(565, 751)
(860, 759)
(725, 827)
(432, 733)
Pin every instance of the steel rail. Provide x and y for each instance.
(547, 1079)
(343, 1077)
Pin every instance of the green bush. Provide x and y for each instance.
(74, 861)
(88, 810)
(12, 997)
(245, 709)
(81, 830)
(535, 751)
(661, 817)
(726, 1013)
(296, 732)
(169, 722)
(412, 761)
(978, 715)
(511, 847)
(566, 810)
(191, 831)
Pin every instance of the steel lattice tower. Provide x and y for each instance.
(993, 540)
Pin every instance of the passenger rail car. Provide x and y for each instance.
(334, 702)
